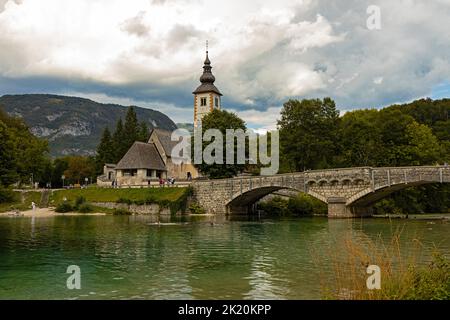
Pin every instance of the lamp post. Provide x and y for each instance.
(63, 177)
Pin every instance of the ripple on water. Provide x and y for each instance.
(125, 258)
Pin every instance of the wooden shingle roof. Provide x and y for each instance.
(165, 137)
(142, 155)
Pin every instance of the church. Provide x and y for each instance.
(146, 163)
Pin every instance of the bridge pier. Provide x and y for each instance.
(359, 187)
(337, 208)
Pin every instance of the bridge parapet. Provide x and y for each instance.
(348, 191)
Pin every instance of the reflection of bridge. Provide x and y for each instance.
(347, 192)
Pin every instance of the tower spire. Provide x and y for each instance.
(207, 96)
(207, 79)
(207, 61)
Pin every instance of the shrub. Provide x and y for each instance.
(121, 212)
(64, 207)
(150, 200)
(164, 203)
(276, 206)
(79, 201)
(85, 208)
(125, 201)
(6, 196)
(306, 205)
(195, 208)
(431, 282)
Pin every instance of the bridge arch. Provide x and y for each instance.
(370, 196)
(241, 203)
(349, 192)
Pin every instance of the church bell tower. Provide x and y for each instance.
(206, 97)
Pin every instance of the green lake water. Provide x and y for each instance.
(189, 258)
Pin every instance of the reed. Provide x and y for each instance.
(402, 277)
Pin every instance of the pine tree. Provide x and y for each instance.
(131, 128)
(105, 151)
(118, 144)
(143, 132)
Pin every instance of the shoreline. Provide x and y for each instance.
(44, 213)
(50, 212)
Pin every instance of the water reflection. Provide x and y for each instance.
(135, 257)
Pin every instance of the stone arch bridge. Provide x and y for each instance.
(347, 192)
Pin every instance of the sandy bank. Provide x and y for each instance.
(45, 213)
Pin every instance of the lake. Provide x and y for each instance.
(132, 257)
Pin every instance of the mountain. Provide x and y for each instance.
(74, 125)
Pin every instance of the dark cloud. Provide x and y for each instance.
(260, 58)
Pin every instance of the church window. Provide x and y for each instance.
(203, 102)
(217, 102)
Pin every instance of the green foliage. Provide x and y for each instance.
(60, 165)
(127, 201)
(432, 282)
(79, 201)
(386, 206)
(105, 151)
(308, 131)
(434, 198)
(121, 212)
(313, 137)
(8, 173)
(304, 204)
(113, 195)
(79, 168)
(85, 208)
(195, 208)
(64, 207)
(277, 206)
(19, 200)
(301, 205)
(119, 147)
(221, 120)
(113, 147)
(144, 132)
(7, 196)
(424, 147)
(175, 204)
(21, 153)
(180, 204)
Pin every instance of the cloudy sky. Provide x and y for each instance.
(150, 52)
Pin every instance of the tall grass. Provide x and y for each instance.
(402, 277)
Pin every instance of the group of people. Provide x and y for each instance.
(169, 182)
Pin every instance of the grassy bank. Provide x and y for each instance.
(173, 198)
(20, 201)
(115, 195)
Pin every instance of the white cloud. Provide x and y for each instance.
(260, 120)
(263, 51)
